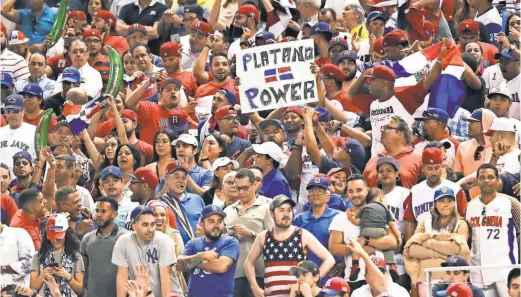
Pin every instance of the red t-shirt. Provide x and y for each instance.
(36, 120)
(147, 150)
(20, 220)
(188, 80)
(151, 118)
(9, 207)
(3, 121)
(211, 88)
(118, 43)
(346, 104)
(59, 63)
(321, 61)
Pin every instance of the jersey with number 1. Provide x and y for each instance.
(495, 227)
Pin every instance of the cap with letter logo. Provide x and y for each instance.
(179, 119)
(432, 156)
(444, 192)
(336, 286)
(456, 290)
(6, 79)
(57, 225)
(203, 28)
(437, 114)
(318, 181)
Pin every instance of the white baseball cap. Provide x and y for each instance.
(501, 90)
(223, 161)
(186, 138)
(501, 124)
(271, 149)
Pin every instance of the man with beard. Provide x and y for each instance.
(321, 34)
(171, 54)
(71, 78)
(212, 258)
(105, 22)
(98, 61)
(112, 186)
(222, 97)
(32, 205)
(146, 247)
(18, 44)
(80, 219)
(37, 65)
(346, 60)
(228, 124)
(420, 200)
(143, 186)
(493, 213)
(23, 170)
(96, 250)
(10, 62)
(333, 78)
(293, 122)
(271, 243)
(154, 116)
(220, 70)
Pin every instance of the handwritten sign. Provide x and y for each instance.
(276, 75)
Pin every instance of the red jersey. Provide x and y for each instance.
(188, 80)
(8, 208)
(210, 88)
(118, 43)
(21, 220)
(3, 121)
(36, 120)
(151, 117)
(59, 63)
(321, 61)
(346, 104)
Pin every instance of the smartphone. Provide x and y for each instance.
(55, 265)
(175, 38)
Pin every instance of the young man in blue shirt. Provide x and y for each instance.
(212, 258)
(269, 157)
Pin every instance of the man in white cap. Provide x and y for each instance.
(505, 153)
(18, 44)
(501, 104)
(269, 158)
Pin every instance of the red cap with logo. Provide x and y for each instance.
(378, 46)
(332, 71)
(203, 27)
(147, 176)
(456, 290)
(78, 15)
(419, 28)
(174, 166)
(468, 26)
(169, 49)
(336, 286)
(107, 16)
(294, 109)
(379, 262)
(91, 32)
(137, 28)
(249, 10)
(382, 72)
(432, 156)
(396, 37)
(179, 119)
(224, 111)
(129, 114)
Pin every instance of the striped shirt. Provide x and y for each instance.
(102, 65)
(279, 257)
(14, 65)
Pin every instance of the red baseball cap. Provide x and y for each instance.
(346, 169)
(378, 46)
(336, 286)
(383, 3)
(203, 27)
(288, 39)
(179, 119)
(137, 28)
(468, 26)
(147, 176)
(78, 14)
(296, 110)
(169, 81)
(57, 225)
(107, 16)
(3, 29)
(456, 290)
(382, 72)
(332, 71)
(224, 111)
(91, 32)
(169, 49)
(432, 156)
(379, 262)
(129, 114)
(419, 28)
(174, 166)
(249, 10)
(396, 37)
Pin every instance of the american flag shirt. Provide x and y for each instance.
(279, 257)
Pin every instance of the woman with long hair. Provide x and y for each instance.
(128, 63)
(441, 233)
(213, 148)
(60, 257)
(163, 152)
(92, 7)
(128, 160)
(477, 52)
(215, 195)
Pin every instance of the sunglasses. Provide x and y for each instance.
(477, 153)
(15, 111)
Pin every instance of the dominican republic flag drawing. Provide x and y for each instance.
(448, 92)
(276, 74)
(78, 116)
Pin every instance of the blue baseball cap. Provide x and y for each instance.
(322, 27)
(323, 114)
(266, 123)
(32, 89)
(455, 261)
(437, 114)
(375, 15)
(71, 74)
(506, 54)
(444, 192)
(111, 170)
(229, 95)
(318, 181)
(266, 35)
(356, 152)
(23, 155)
(136, 212)
(14, 101)
(7, 79)
(351, 55)
(211, 209)
(388, 160)
(476, 116)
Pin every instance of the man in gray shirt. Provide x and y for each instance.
(146, 246)
(96, 250)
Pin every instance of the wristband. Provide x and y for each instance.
(204, 160)
(206, 45)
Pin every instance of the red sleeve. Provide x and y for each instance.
(3, 121)
(407, 206)
(320, 62)
(145, 110)
(9, 207)
(412, 97)
(52, 124)
(53, 63)
(191, 86)
(172, 219)
(121, 46)
(461, 203)
(447, 7)
(199, 91)
(105, 128)
(363, 102)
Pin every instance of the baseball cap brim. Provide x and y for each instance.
(70, 79)
(443, 196)
(55, 234)
(180, 128)
(219, 212)
(442, 293)
(294, 270)
(267, 123)
(471, 119)
(177, 169)
(4, 83)
(384, 4)
(13, 107)
(111, 174)
(490, 95)
(338, 43)
(309, 186)
(29, 93)
(347, 171)
(506, 55)
(331, 292)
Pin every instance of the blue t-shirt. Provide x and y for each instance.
(236, 147)
(206, 284)
(335, 202)
(192, 206)
(274, 183)
(201, 176)
(37, 31)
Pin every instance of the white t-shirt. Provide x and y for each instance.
(513, 87)
(394, 201)
(309, 169)
(509, 162)
(393, 289)
(86, 199)
(13, 141)
(91, 81)
(17, 250)
(492, 76)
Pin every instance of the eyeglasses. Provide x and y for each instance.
(316, 190)
(80, 51)
(243, 189)
(484, 215)
(14, 111)
(387, 128)
(477, 153)
(258, 180)
(231, 119)
(230, 182)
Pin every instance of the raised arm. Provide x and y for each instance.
(118, 122)
(199, 70)
(10, 13)
(137, 94)
(325, 140)
(213, 19)
(294, 164)
(309, 137)
(364, 139)
(92, 151)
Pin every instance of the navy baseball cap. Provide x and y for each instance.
(437, 114)
(318, 181)
(136, 212)
(211, 209)
(388, 160)
(195, 9)
(305, 266)
(7, 79)
(323, 114)
(506, 54)
(111, 170)
(476, 116)
(32, 89)
(351, 55)
(229, 95)
(322, 27)
(444, 192)
(71, 74)
(376, 15)
(14, 101)
(23, 155)
(266, 123)
(455, 261)
(266, 35)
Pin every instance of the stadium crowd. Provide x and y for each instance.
(166, 188)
